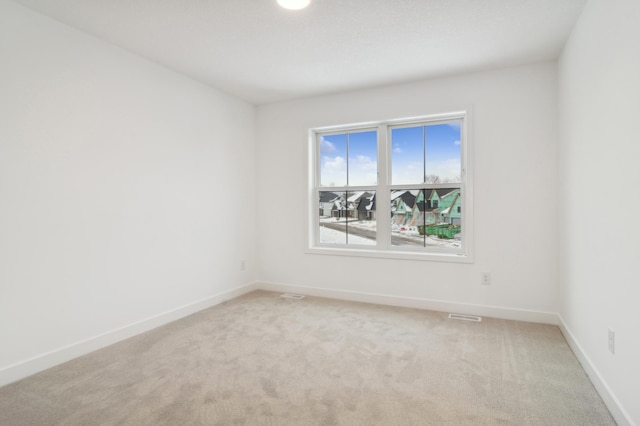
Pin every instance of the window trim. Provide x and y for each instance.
(382, 210)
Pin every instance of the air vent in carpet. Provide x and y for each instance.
(465, 317)
(292, 296)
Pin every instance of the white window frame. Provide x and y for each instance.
(383, 248)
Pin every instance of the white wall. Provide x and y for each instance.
(514, 136)
(599, 92)
(123, 192)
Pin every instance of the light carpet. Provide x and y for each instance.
(263, 360)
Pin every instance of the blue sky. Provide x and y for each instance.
(408, 156)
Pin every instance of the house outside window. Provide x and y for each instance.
(392, 189)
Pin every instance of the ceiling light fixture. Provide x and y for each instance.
(294, 4)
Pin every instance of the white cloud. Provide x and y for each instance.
(447, 170)
(397, 149)
(333, 171)
(455, 125)
(363, 162)
(456, 142)
(335, 163)
(326, 147)
(363, 170)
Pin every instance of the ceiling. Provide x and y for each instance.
(262, 53)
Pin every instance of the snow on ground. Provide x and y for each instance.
(337, 237)
(331, 236)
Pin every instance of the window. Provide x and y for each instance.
(392, 189)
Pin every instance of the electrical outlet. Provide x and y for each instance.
(485, 278)
(243, 265)
(612, 341)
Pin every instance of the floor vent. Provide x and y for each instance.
(292, 296)
(465, 317)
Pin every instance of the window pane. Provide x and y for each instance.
(443, 153)
(349, 159)
(347, 217)
(407, 155)
(332, 209)
(426, 217)
(362, 230)
(333, 160)
(363, 155)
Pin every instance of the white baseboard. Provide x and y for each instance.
(407, 302)
(611, 401)
(58, 356)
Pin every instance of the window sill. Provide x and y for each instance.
(391, 254)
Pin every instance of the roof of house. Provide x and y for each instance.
(367, 204)
(442, 192)
(328, 197)
(407, 196)
(447, 192)
(356, 196)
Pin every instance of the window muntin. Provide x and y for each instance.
(419, 159)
